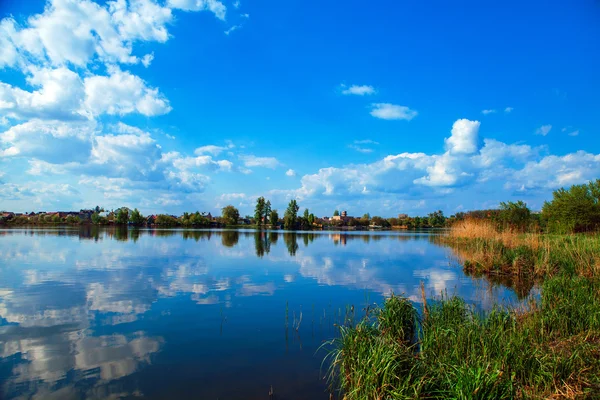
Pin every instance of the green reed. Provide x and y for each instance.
(453, 351)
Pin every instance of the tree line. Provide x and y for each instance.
(572, 210)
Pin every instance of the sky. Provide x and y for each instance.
(380, 107)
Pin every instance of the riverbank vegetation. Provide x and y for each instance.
(445, 348)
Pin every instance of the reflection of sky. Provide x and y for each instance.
(122, 304)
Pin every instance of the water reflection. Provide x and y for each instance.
(95, 313)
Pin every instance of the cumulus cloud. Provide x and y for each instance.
(254, 161)
(80, 32)
(490, 111)
(59, 94)
(72, 58)
(358, 90)
(392, 111)
(122, 93)
(508, 109)
(53, 141)
(463, 139)
(495, 166)
(543, 130)
(290, 172)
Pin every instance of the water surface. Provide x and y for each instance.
(93, 314)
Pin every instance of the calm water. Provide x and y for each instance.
(88, 314)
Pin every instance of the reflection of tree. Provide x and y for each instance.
(230, 238)
(273, 236)
(196, 235)
(134, 234)
(290, 239)
(262, 243)
(259, 244)
(121, 233)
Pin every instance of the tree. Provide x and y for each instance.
(136, 218)
(437, 219)
(274, 217)
(311, 219)
(267, 211)
(515, 214)
(574, 210)
(122, 216)
(96, 218)
(336, 213)
(259, 210)
(291, 215)
(230, 215)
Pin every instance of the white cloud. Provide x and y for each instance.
(232, 196)
(80, 32)
(366, 141)
(254, 161)
(359, 90)
(552, 172)
(59, 95)
(508, 109)
(496, 167)
(360, 149)
(486, 112)
(52, 141)
(147, 59)
(236, 4)
(200, 162)
(122, 93)
(290, 172)
(543, 130)
(464, 137)
(214, 6)
(391, 111)
(210, 149)
(233, 28)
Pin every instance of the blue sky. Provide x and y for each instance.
(384, 107)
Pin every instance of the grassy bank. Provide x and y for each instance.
(447, 349)
(483, 249)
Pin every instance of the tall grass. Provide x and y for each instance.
(550, 349)
(482, 248)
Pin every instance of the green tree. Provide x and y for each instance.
(122, 216)
(274, 217)
(574, 210)
(291, 215)
(267, 211)
(72, 219)
(437, 219)
(136, 218)
(165, 220)
(259, 210)
(336, 213)
(311, 219)
(515, 214)
(96, 218)
(230, 215)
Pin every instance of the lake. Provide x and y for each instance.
(90, 313)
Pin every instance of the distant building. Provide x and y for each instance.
(402, 216)
(342, 217)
